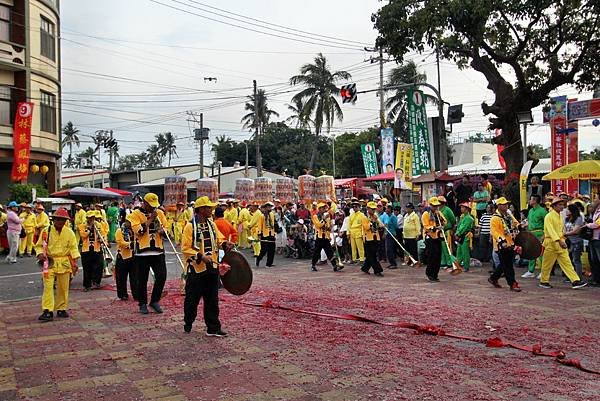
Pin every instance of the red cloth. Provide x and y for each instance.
(227, 230)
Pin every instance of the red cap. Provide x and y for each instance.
(62, 213)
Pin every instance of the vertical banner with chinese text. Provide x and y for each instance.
(22, 141)
(404, 161)
(572, 147)
(369, 159)
(387, 149)
(418, 132)
(558, 125)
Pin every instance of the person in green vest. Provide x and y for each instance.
(112, 216)
(535, 224)
(448, 230)
(464, 235)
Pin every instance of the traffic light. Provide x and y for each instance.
(455, 114)
(348, 93)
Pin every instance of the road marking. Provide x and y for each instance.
(19, 299)
(21, 275)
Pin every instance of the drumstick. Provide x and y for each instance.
(397, 242)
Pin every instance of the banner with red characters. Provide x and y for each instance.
(22, 141)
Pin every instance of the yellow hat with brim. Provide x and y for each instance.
(98, 214)
(372, 205)
(557, 199)
(90, 213)
(384, 200)
(502, 201)
(152, 199)
(434, 201)
(203, 201)
(321, 204)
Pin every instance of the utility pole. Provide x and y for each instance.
(380, 92)
(257, 133)
(200, 135)
(443, 139)
(110, 153)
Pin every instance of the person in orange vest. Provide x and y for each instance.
(225, 227)
(503, 226)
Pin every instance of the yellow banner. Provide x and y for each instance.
(523, 184)
(404, 161)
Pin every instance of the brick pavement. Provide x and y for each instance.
(107, 350)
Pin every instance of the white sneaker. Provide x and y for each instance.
(539, 276)
(528, 275)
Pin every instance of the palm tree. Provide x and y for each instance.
(69, 161)
(154, 156)
(166, 144)
(252, 119)
(396, 105)
(319, 96)
(297, 119)
(89, 155)
(70, 137)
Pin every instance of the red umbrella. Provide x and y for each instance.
(118, 191)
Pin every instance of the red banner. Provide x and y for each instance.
(22, 141)
(573, 152)
(500, 149)
(559, 150)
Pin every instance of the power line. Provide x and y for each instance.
(253, 30)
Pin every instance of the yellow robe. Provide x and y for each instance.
(355, 223)
(243, 221)
(554, 231)
(29, 222)
(61, 249)
(254, 231)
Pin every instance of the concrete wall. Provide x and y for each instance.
(473, 153)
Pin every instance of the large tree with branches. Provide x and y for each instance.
(525, 49)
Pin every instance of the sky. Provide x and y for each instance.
(138, 66)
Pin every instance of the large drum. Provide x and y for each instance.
(244, 189)
(238, 279)
(208, 187)
(284, 189)
(263, 189)
(531, 247)
(175, 191)
(306, 188)
(324, 188)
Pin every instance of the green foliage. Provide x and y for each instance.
(22, 192)
(545, 44)
(87, 157)
(539, 151)
(479, 137)
(593, 155)
(69, 137)
(166, 146)
(349, 161)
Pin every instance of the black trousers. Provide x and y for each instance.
(92, 268)
(125, 268)
(267, 247)
(400, 238)
(158, 266)
(323, 244)
(371, 260)
(381, 246)
(205, 286)
(433, 250)
(412, 247)
(507, 266)
(390, 249)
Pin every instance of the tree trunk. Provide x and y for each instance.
(313, 155)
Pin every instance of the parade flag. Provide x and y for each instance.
(387, 149)
(523, 183)
(418, 132)
(22, 141)
(404, 162)
(369, 159)
(558, 125)
(572, 146)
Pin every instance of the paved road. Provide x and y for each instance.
(22, 280)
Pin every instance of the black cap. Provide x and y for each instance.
(410, 205)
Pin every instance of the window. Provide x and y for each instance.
(5, 115)
(48, 112)
(48, 39)
(4, 23)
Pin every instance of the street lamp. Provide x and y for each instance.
(524, 117)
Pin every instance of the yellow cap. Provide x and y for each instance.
(502, 201)
(203, 201)
(90, 213)
(434, 201)
(384, 200)
(98, 214)
(321, 204)
(152, 199)
(372, 205)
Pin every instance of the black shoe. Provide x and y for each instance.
(97, 286)
(187, 328)
(494, 282)
(544, 285)
(62, 313)
(578, 284)
(392, 267)
(365, 271)
(46, 316)
(156, 307)
(270, 265)
(218, 333)
(313, 269)
(433, 279)
(87, 289)
(379, 274)
(335, 268)
(143, 309)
